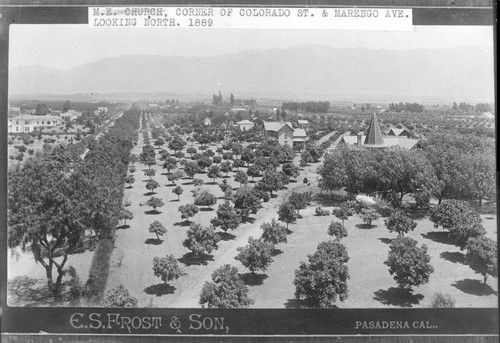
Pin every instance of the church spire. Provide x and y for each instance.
(374, 135)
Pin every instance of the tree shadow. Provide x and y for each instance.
(385, 240)
(183, 223)
(26, 291)
(153, 241)
(330, 199)
(397, 297)
(439, 237)
(365, 226)
(170, 185)
(187, 183)
(148, 194)
(474, 287)
(299, 304)
(123, 227)
(152, 212)
(253, 279)
(250, 220)
(190, 259)
(276, 252)
(160, 289)
(174, 200)
(224, 236)
(129, 187)
(454, 257)
(206, 209)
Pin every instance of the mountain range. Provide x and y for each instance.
(306, 71)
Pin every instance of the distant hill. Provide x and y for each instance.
(307, 71)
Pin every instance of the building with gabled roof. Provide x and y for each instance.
(399, 132)
(245, 124)
(375, 139)
(281, 131)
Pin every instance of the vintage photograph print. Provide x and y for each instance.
(240, 171)
(251, 168)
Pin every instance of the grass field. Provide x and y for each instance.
(370, 284)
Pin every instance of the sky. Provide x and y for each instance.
(67, 46)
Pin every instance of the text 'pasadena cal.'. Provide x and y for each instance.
(252, 18)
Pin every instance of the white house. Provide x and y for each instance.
(245, 125)
(28, 123)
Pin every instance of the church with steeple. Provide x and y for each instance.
(375, 139)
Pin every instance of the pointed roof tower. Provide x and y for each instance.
(374, 135)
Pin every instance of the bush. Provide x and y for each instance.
(119, 297)
(305, 180)
(440, 300)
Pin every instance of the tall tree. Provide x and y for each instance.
(399, 222)
(158, 229)
(273, 232)
(226, 217)
(287, 213)
(482, 256)
(167, 268)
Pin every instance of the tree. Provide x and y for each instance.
(151, 185)
(126, 215)
(241, 177)
(291, 170)
(344, 212)
(158, 229)
(253, 171)
(187, 211)
(198, 182)
(176, 144)
(205, 198)
(409, 264)
(369, 215)
(130, 180)
(119, 297)
(226, 290)
(154, 203)
(150, 173)
(273, 232)
(338, 230)
(256, 255)
(167, 268)
(178, 190)
(201, 241)
(238, 164)
(440, 300)
(191, 169)
(46, 214)
(226, 167)
(323, 279)
(66, 106)
(41, 109)
(246, 201)
(173, 177)
(214, 172)
(400, 223)
(191, 151)
(270, 181)
(147, 155)
(459, 218)
(482, 256)
(300, 200)
(204, 162)
(170, 163)
(287, 213)
(226, 217)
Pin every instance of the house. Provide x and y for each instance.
(375, 139)
(245, 125)
(70, 115)
(302, 123)
(299, 139)
(28, 123)
(281, 131)
(399, 132)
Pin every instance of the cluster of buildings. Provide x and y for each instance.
(374, 138)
